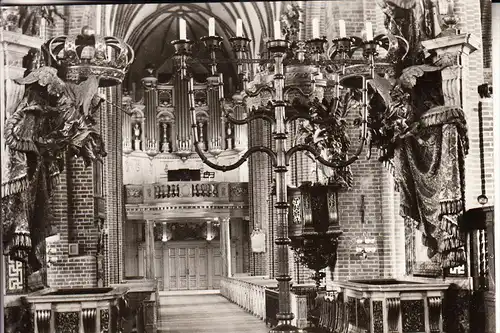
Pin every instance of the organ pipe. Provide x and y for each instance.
(151, 102)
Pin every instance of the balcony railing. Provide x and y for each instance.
(257, 295)
(182, 191)
(248, 294)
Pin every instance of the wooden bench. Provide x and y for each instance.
(329, 316)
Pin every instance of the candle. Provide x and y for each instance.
(277, 30)
(369, 31)
(211, 26)
(342, 29)
(450, 8)
(315, 26)
(182, 29)
(239, 28)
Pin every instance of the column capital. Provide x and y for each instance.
(464, 43)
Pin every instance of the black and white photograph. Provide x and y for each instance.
(249, 166)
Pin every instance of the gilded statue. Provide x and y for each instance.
(290, 21)
(51, 123)
(30, 18)
(327, 131)
(415, 20)
(426, 142)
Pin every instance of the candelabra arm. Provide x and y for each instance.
(249, 118)
(308, 117)
(240, 161)
(299, 90)
(258, 90)
(317, 155)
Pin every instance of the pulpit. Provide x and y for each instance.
(87, 310)
(390, 305)
(314, 226)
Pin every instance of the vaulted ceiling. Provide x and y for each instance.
(149, 28)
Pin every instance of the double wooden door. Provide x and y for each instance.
(188, 265)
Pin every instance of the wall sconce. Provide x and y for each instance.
(167, 235)
(51, 252)
(210, 234)
(365, 246)
(52, 258)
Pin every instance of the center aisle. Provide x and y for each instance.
(205, 313)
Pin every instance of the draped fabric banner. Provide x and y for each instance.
(429, 169)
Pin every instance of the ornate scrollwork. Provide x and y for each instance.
(325, 130)
(43, 320)
(393, 313)
(88, 318)
(296, 210)
(134, 192)
(316, 252)
(434, 314)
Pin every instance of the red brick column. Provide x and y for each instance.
(73, 204)
(259, 182)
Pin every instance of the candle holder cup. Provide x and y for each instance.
(212, 43)
(182, 46)
(278, 46)
(370, 49)
(317, 45)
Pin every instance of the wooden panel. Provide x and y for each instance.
(172, 269)
(202, 268)
(217, 268)
(192, 268)
(159, 266)
(182, 268)
(141, 261)
(185, 265)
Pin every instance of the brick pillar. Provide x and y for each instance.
(470, 22)
(258, 189)
(73, 204)
(113, 173)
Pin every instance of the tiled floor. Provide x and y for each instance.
(205, 313)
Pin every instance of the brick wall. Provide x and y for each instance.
(113, 184)
(73, 201)
(371, 179)
(258, 190)
(486, 30)
(81, 228)
(470, 22)
(378, 189)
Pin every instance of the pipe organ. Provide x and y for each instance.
(160, 122)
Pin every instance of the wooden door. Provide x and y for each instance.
(216, 267)
(191, 266)
(177, 269)
(159, 265)
(197, 268)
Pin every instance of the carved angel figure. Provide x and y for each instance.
(290, 21)
(30, 18)
(327, 132)
(52, 119)
(415, 20)
(426, 142)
